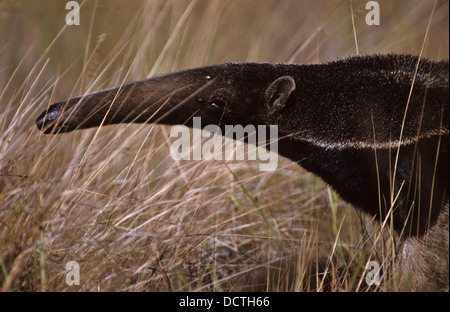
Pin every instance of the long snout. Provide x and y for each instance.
(138, 102)
(90, 110)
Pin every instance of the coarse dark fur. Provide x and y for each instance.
(374, 127)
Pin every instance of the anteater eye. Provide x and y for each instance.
(218, 104)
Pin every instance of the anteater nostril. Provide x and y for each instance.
(46, 119)
(51, 116)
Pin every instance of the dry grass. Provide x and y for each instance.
(115, 202)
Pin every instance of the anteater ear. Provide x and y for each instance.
(278, 92)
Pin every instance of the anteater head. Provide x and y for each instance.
(228, 93)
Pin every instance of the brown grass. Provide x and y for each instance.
(115, 202)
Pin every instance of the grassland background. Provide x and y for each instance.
(115, 202)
